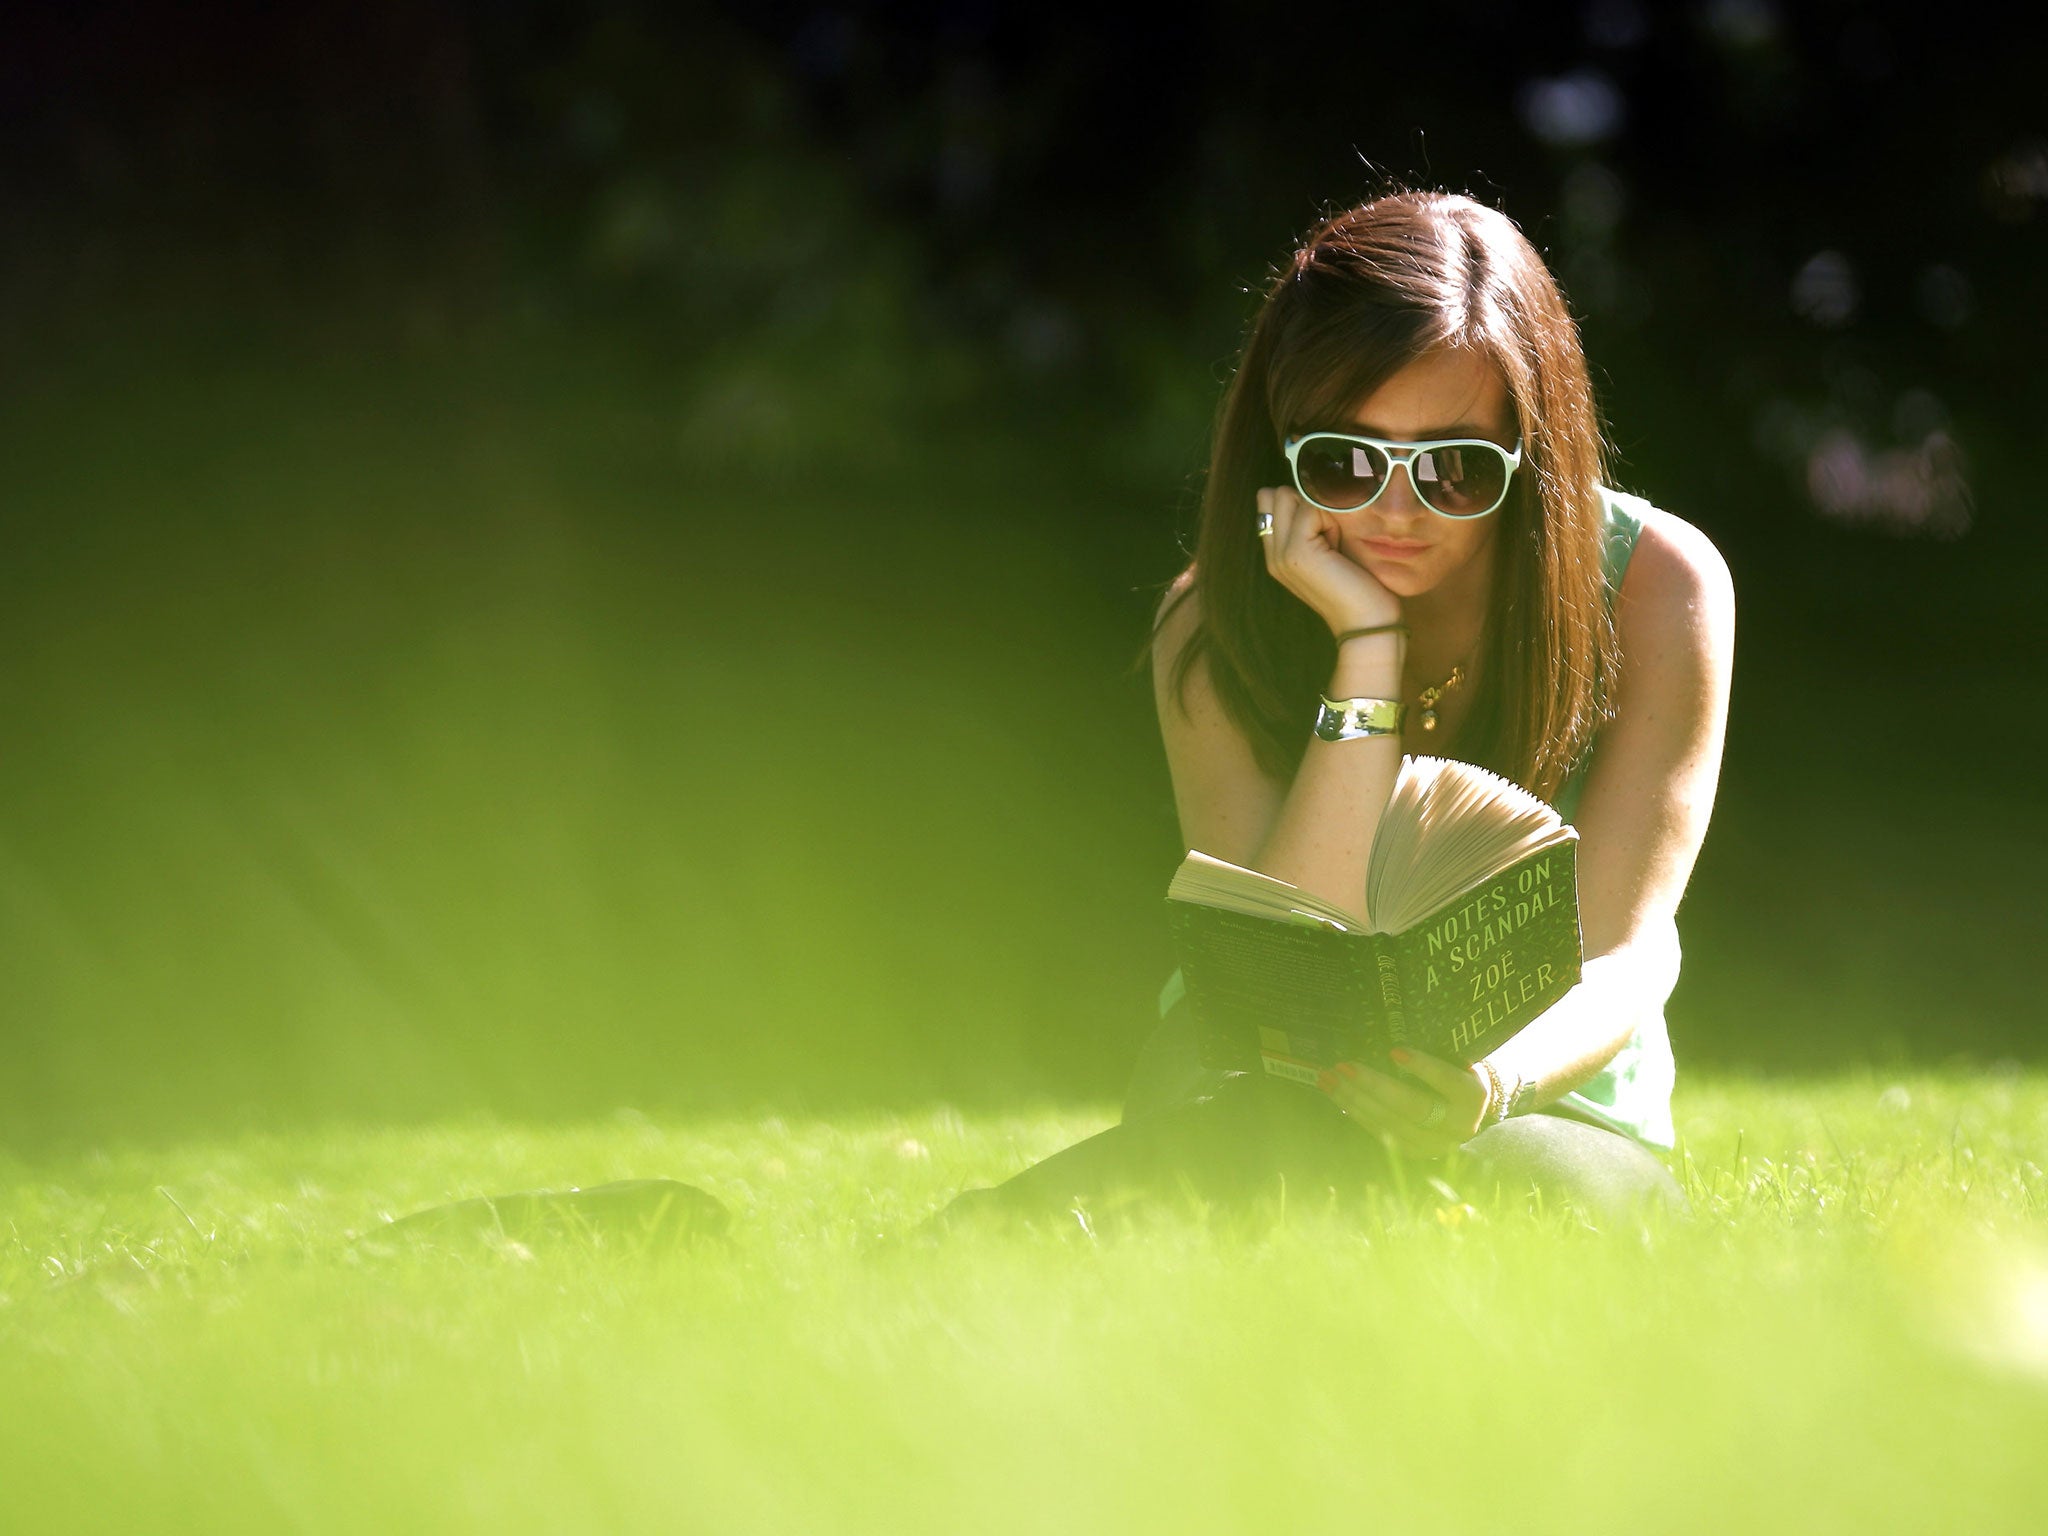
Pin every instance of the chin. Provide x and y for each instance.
(1401, 580)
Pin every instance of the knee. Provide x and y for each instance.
(1549, 1161)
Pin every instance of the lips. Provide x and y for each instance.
(1394, 549)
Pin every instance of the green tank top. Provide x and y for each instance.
(1632, 1093)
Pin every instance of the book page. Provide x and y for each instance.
(1213, 882)
(1448, 827)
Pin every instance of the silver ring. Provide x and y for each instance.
(1435, 1117)
(1265, 525)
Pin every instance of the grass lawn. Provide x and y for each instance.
(1852, 1334)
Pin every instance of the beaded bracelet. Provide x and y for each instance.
(1497, 1103)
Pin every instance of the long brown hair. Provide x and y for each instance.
(1366, 293)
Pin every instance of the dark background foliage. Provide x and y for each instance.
(559, 555)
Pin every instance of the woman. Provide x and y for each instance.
(1444, 569)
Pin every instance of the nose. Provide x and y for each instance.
(1399, 500)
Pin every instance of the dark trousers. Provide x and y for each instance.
(1235, 1140)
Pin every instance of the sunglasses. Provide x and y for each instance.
(1457, 477)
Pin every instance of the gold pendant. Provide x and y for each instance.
(1428, 697)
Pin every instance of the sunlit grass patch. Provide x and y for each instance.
(1850, 1331)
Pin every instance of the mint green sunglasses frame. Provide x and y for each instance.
(1405, 453)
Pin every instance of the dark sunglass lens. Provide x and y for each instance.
(1463, 481)
(1339, 474)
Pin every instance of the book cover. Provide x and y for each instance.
(1281, 982)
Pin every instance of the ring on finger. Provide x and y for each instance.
(1265, 525)
(1435, 1117)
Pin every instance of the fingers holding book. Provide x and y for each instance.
(1425, 1118)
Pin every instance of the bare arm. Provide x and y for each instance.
(1315, 833)
(1646, 806)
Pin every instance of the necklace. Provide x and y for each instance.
(1429, 696)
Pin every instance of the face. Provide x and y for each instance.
(1408, 548)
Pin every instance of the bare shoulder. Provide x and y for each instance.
(1173, 626)
(1677, 593)
(1180, 610)
(1227, 804)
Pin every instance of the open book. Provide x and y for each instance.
(1472, 886)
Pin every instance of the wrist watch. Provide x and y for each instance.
(1349, 719)
(1519, 1095)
